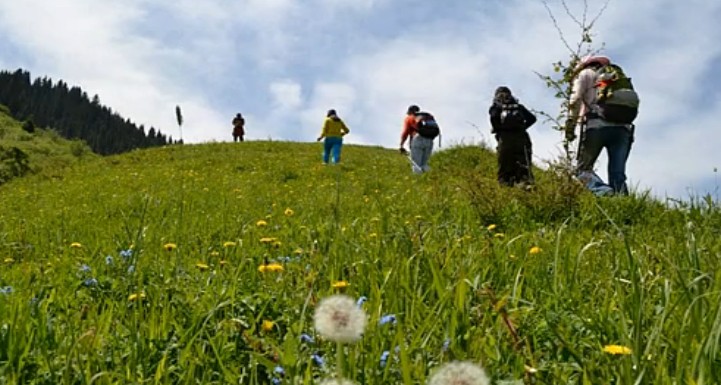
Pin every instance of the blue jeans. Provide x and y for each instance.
(421, 150)
(617, 142)
(332, 145)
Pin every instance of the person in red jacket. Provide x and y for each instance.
(238, 128)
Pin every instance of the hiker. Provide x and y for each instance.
(604, 105)
(238, 128)
(334, 129)
(420, 129)
(509, 122)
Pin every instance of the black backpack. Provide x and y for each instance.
(427, 126)
(512, 118)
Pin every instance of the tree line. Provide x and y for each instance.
(69, 111)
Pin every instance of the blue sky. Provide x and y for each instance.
(283, 63)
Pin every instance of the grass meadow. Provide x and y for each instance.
(203, 264)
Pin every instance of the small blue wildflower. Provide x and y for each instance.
(109, 260)
(285, 259)
(390, 318)
(361, 301)
(279, 371)
(307, 339)
(131, 269)
(318, 360)
(397, 349)
(446, 344)
(384, 358)
(276, 381)
(126, 253)
(85, 268)
(7, 290)
(90, 282)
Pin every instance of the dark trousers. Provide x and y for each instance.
(617, 142)
(514, 158)
(237, 138)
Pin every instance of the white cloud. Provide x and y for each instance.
(286, 94)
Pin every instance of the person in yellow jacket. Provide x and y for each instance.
(333, 131)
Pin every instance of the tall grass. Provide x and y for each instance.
(534, 299)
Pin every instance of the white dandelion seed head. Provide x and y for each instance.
(338, 318)
(337, 381)
(459, 373)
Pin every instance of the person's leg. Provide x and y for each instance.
(235, 138)
(618, 147)
(327, 147)
(427, 151)
(593, 143)
(240, 138)
(527, 165)
(505, 161)
(337, 145)
(416, 155)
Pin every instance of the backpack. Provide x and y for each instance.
(427, 126)
(616, 99)
(512, 118)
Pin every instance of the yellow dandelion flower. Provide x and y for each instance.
(616, 349)
(289, 212)
(170, 246)
(223, 262)
(375, 219)
(214, 253)
(267, 240)
(512, 257)
(202, 266)
(499, 235)
(535, 250)
(298, 251)
(261, 223)
(373, 235)
(419, 217)
(271, 267)
(340, 284)
(76, 245)
(267, 325)
(229, 244)
(136, 296)
(491, 227)
(277, 244)
(9, 260)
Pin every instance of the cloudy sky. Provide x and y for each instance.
(283, 63)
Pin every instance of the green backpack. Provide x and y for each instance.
(617, 100)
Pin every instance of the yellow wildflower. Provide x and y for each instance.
(214, 253)
(535, 250)
(261, 223)
(340, 284)
(9, 260)
(289, 212)
(298, 251)
(271, 267)
(223, 262)
(499, 235)
(76, 245)
(616, 349)
(491, 227)
(267, 240)
(170, 246)
(267, 325)
(136, 296)
(202, 266)
(277, 244)
(373, 235)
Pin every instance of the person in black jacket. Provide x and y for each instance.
(510, 120)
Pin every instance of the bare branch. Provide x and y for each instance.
(570, 14)
(558, 27)
(598, 15)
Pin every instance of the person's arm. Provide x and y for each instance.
(344, 129)
(324, 131)
(495, 115)
(528, 117)
(406, 133)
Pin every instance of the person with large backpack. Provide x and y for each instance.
(422, 133)
(238, 128)
(334, 129)
(604, 104)
(510, 121)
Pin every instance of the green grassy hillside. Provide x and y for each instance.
(40, 151)
(204, 264)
